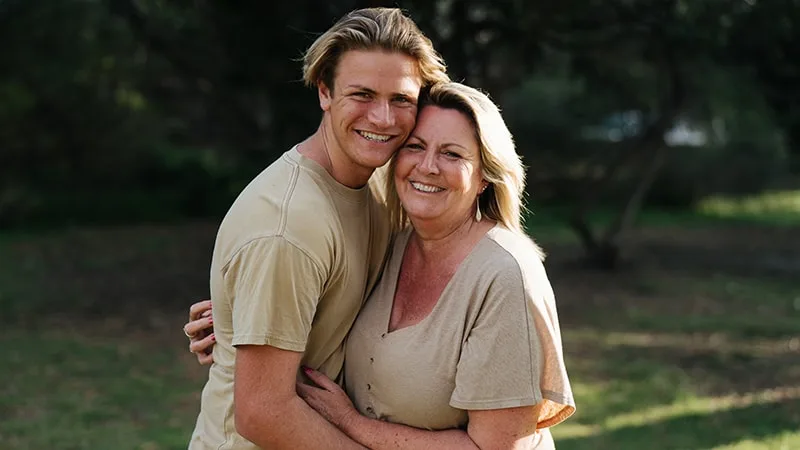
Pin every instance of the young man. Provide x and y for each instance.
(305, 241)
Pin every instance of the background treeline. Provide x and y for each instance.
(147, 110)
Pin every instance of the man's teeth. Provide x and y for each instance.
(426, 188)
(374, 137)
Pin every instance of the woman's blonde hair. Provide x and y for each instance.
(502, 167)
(371, 29)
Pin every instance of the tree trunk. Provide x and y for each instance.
(604, 252)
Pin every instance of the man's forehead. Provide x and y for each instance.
(379, 71)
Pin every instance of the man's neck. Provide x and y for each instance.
(317, 148)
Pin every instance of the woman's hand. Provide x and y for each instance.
(329, 400)
(200, 331)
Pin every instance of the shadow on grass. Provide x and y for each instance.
(619, 373)
(698, 431)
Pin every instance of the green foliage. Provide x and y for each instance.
(746, 149)
(119, 95)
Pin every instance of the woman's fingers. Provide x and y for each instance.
(320, 379)
(196, 327)
(205, 359)
(197, 309)
(303, 390)
(202, 346)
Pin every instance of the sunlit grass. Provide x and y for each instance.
(774, 207)
(633, 393)
(761, 420)
(777, 208)
(659, 360)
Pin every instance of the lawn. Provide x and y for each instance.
(693, 344)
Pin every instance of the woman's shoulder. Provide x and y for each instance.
(514, 248)
(513, 258)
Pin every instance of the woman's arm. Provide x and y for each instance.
(508, 428)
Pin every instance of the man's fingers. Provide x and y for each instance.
(199, 308)
(194, 327)
(201, 345)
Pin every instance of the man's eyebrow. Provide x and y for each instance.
(406, 95)
(360, 88)
(363, 88)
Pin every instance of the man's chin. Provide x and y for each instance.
(376, 159)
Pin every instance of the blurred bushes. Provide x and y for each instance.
(569, 134)
(144, 110)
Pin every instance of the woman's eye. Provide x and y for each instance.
(414, 146)
(453, 155)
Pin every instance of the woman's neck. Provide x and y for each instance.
(436, 243)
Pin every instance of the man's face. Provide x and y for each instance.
(372, 107)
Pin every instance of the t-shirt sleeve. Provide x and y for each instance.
(512, 355)
(275, 288)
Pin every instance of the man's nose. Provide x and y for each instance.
(381, 114)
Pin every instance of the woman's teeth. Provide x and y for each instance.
(426, 188)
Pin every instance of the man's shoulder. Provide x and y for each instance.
(284, 201)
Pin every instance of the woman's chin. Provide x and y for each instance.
(421, 216)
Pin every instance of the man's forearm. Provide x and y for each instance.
(291, 425)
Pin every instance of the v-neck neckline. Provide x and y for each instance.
(397, 265)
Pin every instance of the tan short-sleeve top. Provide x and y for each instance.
(492, 341)
(293, 260)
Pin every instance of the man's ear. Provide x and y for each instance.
(325, 96)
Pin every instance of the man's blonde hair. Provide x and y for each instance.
(501, 166)
(385, 29)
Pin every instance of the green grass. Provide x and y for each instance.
(771, 208)
(65, 390)
(663, 372)
(658, 358)
(777, 207)
(630, 400)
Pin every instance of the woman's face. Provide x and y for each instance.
(438, 169)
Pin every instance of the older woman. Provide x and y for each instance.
(459, 344)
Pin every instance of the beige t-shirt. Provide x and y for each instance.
(492, 341)
(294, 258)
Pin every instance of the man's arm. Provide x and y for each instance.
(268, 411)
